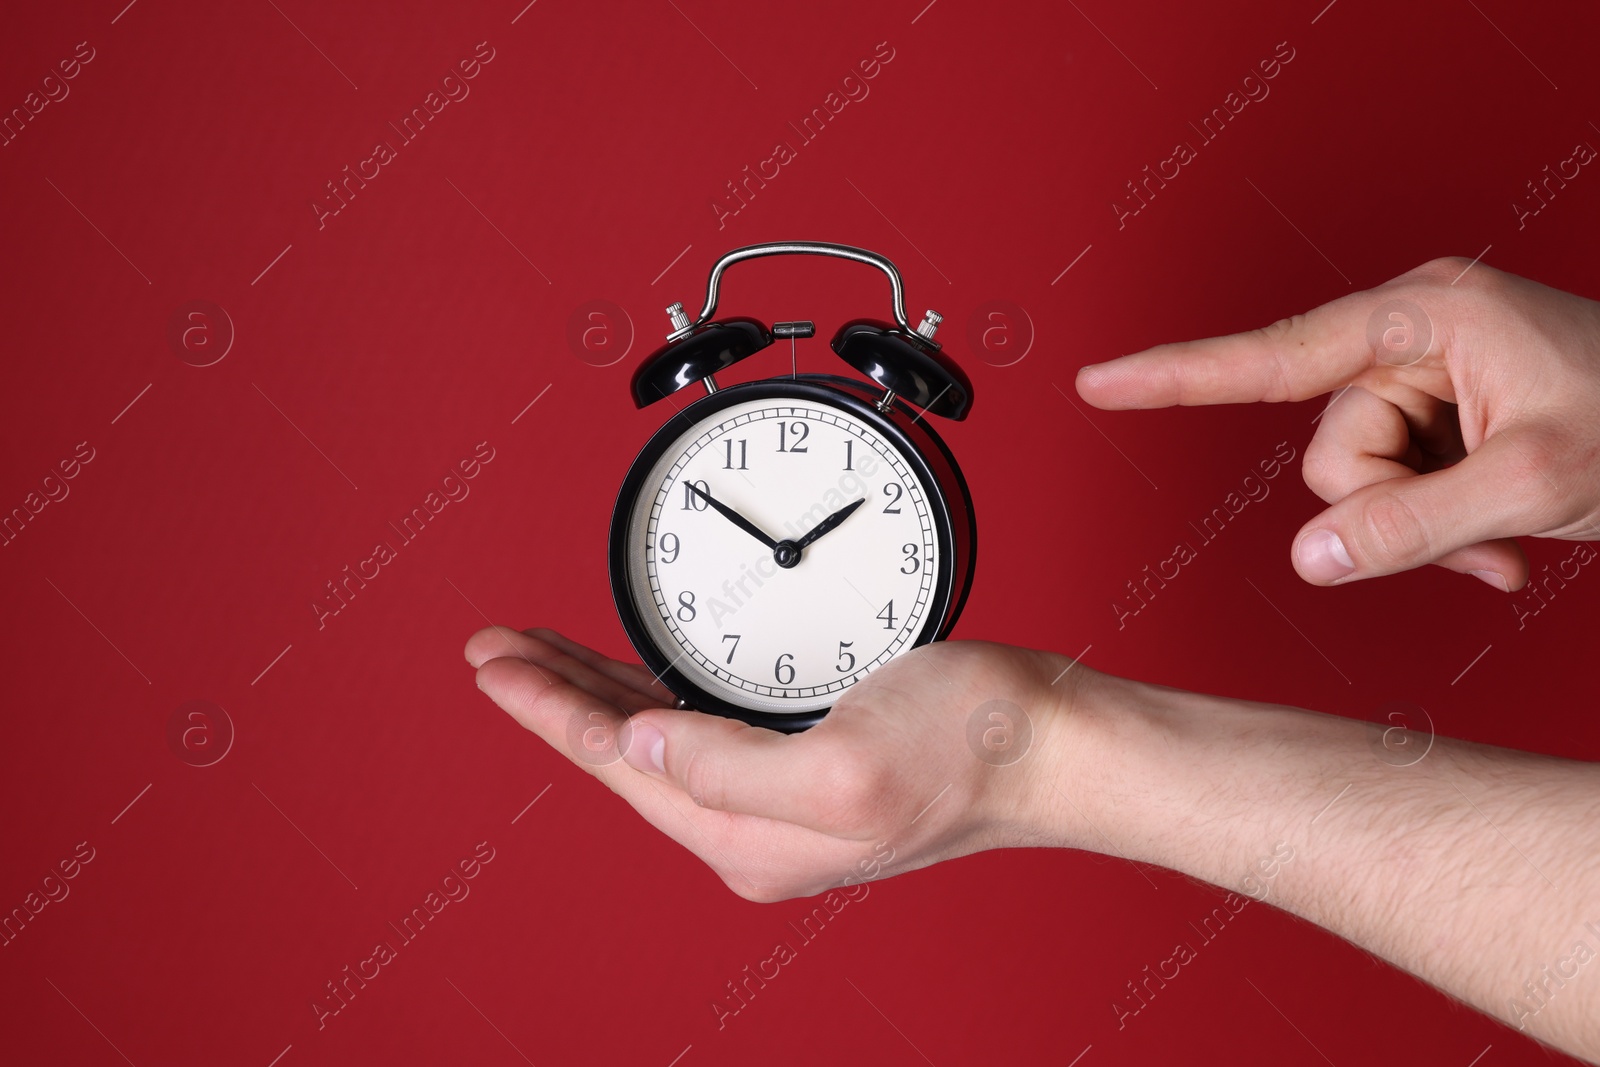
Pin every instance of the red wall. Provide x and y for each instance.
(375, 348)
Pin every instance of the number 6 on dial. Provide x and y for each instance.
(778, 540)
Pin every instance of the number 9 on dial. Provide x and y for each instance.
(778, 540)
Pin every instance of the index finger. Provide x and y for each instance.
(1293, 359)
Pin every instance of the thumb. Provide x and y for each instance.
(1406, 522)
(728, 766)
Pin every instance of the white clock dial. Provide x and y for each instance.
(715, 599)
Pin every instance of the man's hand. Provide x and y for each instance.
(1439, 448)
(1465, 412)
(1369, 832)
(887, 783)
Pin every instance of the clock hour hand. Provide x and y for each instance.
(828, 523)
(732, 516)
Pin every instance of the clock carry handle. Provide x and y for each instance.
(801, 248)
(905, 362)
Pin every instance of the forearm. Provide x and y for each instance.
(1476, 868)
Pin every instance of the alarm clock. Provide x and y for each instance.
(778, 540)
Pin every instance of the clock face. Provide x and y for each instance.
(853, 578)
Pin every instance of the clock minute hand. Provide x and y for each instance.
(733, 516)
(829, 523)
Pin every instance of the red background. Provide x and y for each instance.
(373, 353)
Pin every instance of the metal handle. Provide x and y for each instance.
(805, 248)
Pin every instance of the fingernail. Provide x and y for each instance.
(1322, 556)
(647, 748)
(1494, 578)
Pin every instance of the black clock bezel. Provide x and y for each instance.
(948, 498)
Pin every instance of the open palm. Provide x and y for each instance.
(888, 782)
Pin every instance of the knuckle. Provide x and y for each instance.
(705, 780)
(753, 891)
(1282, 329)
(1277, 338)
(1321, 469)
(1397, 537)
(1544, 451)
(1457, 280)
(761, 873)
(1441, 268)
(1551, 495)
(851, 791)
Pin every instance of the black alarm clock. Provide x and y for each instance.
(778, 540)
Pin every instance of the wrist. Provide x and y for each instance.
(1088, 740)
(1034, 740)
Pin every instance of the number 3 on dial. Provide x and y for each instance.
(780, 545)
